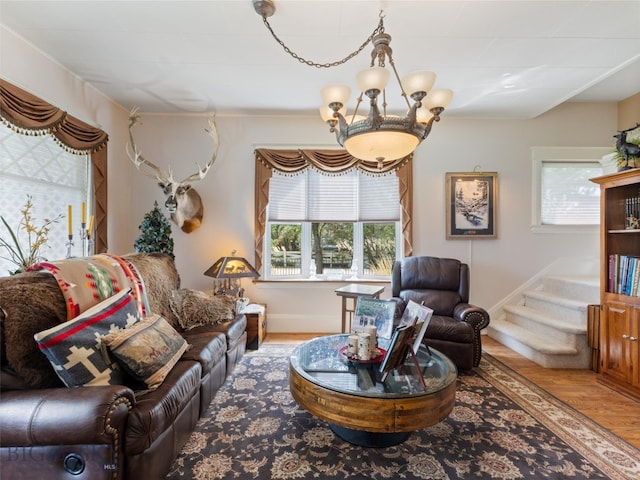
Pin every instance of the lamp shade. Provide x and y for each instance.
(231, 267)
(335, 94)
(421, 81)
(373, 78)
(438, 98)
(423, 115)
(381, 145)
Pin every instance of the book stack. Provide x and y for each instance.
(624, 275)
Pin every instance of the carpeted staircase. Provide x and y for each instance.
(548, 325)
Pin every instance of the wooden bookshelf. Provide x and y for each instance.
(620, 315)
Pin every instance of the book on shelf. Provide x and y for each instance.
(624, 275)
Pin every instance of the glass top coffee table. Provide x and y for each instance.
(357, 405)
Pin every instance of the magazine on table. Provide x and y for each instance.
(398, 349)
(407, 337)
(376, 312)
(421, 316)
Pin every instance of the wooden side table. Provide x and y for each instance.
(353, 291)
(256, 325)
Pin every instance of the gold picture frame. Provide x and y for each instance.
(471, 204)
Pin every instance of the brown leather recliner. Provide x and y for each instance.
(443, 285)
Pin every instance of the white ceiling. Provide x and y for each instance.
(503, 59)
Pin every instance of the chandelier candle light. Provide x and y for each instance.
(379, 136)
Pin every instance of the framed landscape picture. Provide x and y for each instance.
(471, 204)
(373, 311)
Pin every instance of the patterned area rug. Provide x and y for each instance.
(502, 427)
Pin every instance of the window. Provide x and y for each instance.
(37, 166)
(332, 226)
(564, 197)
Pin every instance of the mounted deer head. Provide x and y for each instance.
(183, 202)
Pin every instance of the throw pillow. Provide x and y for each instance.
(148, 350)
(74, 347)
(195, 308)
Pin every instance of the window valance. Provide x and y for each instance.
(30, 115)
(330, 161)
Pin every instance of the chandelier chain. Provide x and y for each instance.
(379, 29)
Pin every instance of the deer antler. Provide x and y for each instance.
(213, 133)
(137, 158)
(629, 129)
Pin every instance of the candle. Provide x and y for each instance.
(83, 217)
(69, 220)
(90, 227)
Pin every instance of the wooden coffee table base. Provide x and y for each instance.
(371, 421)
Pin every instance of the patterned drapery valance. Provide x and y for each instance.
(30, 115)
(330, 161)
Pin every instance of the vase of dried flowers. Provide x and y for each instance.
(24, 244)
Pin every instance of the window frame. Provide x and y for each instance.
(541, 155)
(307, 250)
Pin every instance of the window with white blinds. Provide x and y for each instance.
(54, 178)
(312, 196)
(567, 195)
(564, 199)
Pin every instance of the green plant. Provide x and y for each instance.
(25, 242)
(155, 233)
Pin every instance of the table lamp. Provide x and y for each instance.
(228, 272)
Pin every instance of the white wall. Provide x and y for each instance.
(497, 266)
(455, 145)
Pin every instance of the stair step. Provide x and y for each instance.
(527, 317)
(580, 287)
(569, 309)
(539, 343)
(539, 349)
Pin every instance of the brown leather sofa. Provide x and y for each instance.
(443, 285)
(104, 432)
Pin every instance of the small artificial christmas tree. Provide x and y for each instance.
(155, 233)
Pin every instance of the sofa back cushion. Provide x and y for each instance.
(160, 278)
(32, 302)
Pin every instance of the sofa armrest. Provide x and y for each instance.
(477, 317)
(65, 416)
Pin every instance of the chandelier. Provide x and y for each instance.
(378, 136)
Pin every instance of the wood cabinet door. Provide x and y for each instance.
(615, 333)
(634, 344)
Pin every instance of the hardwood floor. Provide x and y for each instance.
(579, 388)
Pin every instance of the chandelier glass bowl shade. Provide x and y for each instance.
(380, 136)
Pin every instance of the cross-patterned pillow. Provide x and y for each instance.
(74, 347)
